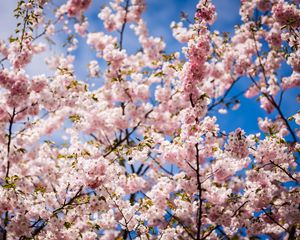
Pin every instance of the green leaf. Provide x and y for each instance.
(9, 185)
(74, 118)
(12, 39)
(159, 74)
(40, 189)
(59, 156)
(67, 225)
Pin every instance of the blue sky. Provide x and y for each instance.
(159, 15)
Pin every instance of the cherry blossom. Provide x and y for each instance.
(129, 144)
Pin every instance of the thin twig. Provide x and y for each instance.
(239, 208)
(123, 25)
(11, 122)
(285, 171)
(276, 222)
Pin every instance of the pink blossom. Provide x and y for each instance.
(292, 81)
(206, 11)
(286, 14)
(76, 7)
(81, 28)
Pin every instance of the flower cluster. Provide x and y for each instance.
(131, 146)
